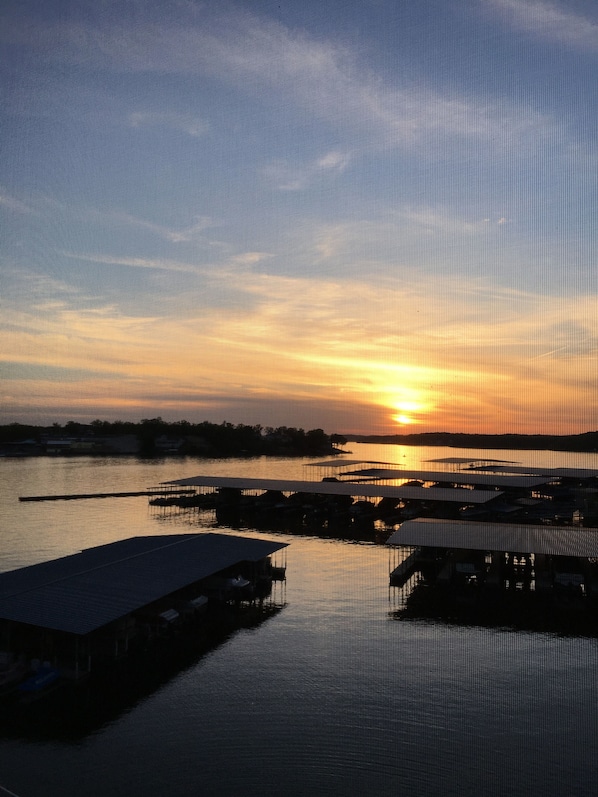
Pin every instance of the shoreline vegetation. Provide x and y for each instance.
(586, 442)
(154, 437)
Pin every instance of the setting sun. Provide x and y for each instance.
(408, 411)
(403, 419)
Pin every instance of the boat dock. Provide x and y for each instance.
(538, 573)
(82, 496)
(391, 495)
(470, 536)
(347, 507)
(69, 617)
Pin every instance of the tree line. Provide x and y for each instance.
(156, 436)
(584, 442)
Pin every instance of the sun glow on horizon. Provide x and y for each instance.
(404, 420)
(409, 411)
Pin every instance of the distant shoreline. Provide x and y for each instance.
(157, 438)
(580, 443)
(154, 437)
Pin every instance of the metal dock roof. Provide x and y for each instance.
(341, 463)
(87, 590)
(453, 477)
(518, 538)
(463, 460)
(460, 496)
(561, 473)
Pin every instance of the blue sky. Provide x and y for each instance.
(363, 216)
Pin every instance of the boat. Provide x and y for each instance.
(44, 677)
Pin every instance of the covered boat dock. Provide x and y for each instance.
(345, 488)
(236, 499)
(497, 556)
(576, 474)
(557, 496)
(67, 615)
(382, 493)
(450, 479)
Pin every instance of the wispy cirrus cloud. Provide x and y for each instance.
(550, 21)
(408, 235)
(174, 235)
(12, 203)
(445, 221)
(154, 264)
(51, 207)
(190, 125)
(229, 267)
(291, 177)
(265, 59)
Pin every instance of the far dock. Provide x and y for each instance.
(81, 496)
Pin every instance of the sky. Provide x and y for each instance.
(368, 216)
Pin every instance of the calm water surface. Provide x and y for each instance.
(330, 695)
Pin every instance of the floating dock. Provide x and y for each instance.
(292, 503)
(392, 495)
(72, 614)
(337, 488)
(82, 496)
(511, 572)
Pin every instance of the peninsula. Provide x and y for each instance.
(586, 442)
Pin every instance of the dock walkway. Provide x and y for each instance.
(80, 496)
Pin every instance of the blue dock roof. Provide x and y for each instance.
(87, 590)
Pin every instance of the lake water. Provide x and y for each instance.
(331, 695)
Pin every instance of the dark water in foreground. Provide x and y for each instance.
(330, 695)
